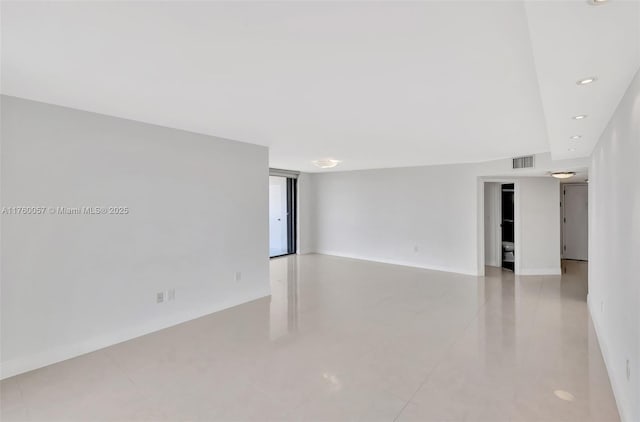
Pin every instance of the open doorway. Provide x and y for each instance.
(500, 224)
(507, 226)
(282, 213)
(575, 221)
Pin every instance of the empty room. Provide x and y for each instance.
(320, 211)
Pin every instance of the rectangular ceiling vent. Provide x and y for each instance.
(523, 162)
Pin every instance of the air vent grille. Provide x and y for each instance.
(523, 162)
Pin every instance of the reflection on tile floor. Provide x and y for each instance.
(343, 339)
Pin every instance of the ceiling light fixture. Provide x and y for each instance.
(571, 149)
(579, 117)
(326, 163)
(586, 81)
(576, 137)
(597, 2)
(563, 174)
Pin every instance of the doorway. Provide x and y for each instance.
(575, 222)
(282, 215)
(501, 232)
(507, 226)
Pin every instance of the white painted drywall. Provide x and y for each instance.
(539, 225)
(614, 249)
(74, 283)
(306, 214)
(492, 220)
(418, 216)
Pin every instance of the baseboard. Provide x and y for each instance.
(28, 363)
(399, 262)
(606, 357)
(540, 271)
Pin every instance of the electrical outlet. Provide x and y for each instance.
(171, 294)
(238, 276)
(159, 297)
(628, 370)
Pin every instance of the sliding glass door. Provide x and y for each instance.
(282, 203)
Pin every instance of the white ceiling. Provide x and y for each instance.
(374, 84)
(572, 40)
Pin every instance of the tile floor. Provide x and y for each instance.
(348, 340)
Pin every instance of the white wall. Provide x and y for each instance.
(418, 216)
(614, 249)
(74, 283)
(539, 225)
(492, 220)
(306, 214)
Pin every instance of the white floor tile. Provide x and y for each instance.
(348, 340)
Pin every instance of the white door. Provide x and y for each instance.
(575, 222)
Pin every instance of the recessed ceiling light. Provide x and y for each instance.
(563, 174)
(579, 117)
(586, 81)
(597, 2)
(575, 137)
(571, 149)
(326, 164)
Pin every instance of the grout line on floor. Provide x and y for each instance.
(437, 365)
